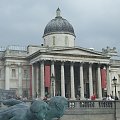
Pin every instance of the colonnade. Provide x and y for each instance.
(40, 79)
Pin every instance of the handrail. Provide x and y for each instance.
(84, 103)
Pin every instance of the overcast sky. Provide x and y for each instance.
(96, 22)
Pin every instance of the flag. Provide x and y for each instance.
(103, 78)
(47, 76)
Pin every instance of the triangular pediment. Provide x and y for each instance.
(69, 54)
(77, 51)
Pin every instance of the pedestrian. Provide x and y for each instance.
(116, 98)
(78, 97)
(108, 97)
(93, 97)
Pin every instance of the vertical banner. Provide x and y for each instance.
(30, 80)
(47, 76)
(103, 78)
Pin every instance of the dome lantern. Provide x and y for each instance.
(58, 12)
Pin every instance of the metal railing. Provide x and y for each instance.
(90, 104)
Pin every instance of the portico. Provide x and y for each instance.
(70, 73)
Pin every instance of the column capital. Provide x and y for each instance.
(90, 63)
(99, 64)
(52, 61)
(81, 63)
(62, 62)
(72, 62)
(108, 65)
(42, 61)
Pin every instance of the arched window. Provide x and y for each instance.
(66, 40)
(53, 40)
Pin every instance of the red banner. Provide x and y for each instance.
(103, 78)
(47, 76)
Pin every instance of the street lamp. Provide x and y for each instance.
(52, 85)
(115, 81)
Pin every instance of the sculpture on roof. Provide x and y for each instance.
(109, 51)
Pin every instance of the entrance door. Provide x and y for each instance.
(87, 91)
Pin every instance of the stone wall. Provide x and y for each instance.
(88, 117)
(98, 110)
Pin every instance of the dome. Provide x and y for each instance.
(58, 25)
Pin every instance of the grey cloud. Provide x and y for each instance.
(95, 22)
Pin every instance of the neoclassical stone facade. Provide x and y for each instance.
(76, 70)
(72, 71)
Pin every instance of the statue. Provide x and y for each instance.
(21, 111)
(39, 110)
(57, 107)
(11, 102)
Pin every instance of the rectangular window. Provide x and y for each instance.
(0, 73)
(53, 40)
(13, 73)
(25, 73)
(66, 40)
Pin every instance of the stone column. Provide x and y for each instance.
(90, 80)
(19, 80)
(81, 82)
(7, 78)
(108, 81)
(42, 80)
(62, 80)
(52, 68)
(99, 83)
(33, 78)
(72, 81)
(52, 73)
(37, 79)
(30, 90)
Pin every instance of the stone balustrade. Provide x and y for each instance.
(90, 104)
(89, 110)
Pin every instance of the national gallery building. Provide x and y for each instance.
(58, 67)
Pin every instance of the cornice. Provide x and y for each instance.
(69, 58)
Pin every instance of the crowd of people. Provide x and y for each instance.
(47, 96)
(110, 97)
(93, 97)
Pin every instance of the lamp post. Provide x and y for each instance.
(115, 81)
(52, 85)
(79, 90)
